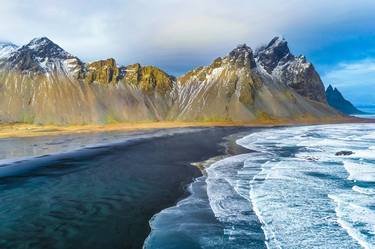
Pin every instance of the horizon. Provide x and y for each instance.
(178, 36)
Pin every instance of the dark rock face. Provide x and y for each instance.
(242, 56)
(103, 71)
(295, 72)
(337, 101)
(303, 78)
(344, 153)
(41, 55)
(275, 52)
(148, 78)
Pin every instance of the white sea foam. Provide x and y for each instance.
(297, 189)
(366, 191)
(357, 220)
(360, 171)
(228, 192)
(292, 193)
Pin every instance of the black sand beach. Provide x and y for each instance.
(102, 197)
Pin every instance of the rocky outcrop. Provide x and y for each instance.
(296, 72)
(42, 83)
(148, 78)
(337, 101)
(103, 71)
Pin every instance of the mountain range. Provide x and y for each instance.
(42, 83)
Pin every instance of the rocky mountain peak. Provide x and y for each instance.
(277, 51)
(279, 43)
(44, 47)
(242, 55)
(41, 55)
(149, 78)
(298, 73)
(329, 89)
(103, 71)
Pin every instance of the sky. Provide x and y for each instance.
(337, 36)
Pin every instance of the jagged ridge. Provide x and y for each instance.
(296, 72)
(42, 83)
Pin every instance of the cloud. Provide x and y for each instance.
(356, 80)
(179, 34)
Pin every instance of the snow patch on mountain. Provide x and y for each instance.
(40, 55)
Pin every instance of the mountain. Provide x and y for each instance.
(235, 87)
(42, 83)
(296, 72)
(337, 101)
(6, 48)
(42, 55)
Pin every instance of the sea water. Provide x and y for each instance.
(369, 111)
(292, 192)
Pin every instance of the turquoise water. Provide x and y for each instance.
(292, 192)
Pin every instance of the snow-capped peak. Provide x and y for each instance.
(44, 47)
(6, 48)
(274, 53)
(38, 42)
(277, 41)
(41, 55)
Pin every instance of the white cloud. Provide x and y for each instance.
(167, 32)
(356, 80)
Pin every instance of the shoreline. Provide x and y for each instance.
(170, 229)
(18, 130)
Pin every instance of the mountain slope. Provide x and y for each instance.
(42, 83)
(337, 101)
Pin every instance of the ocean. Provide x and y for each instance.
(368, 109)
(96, 190)
(287, 187)
(292, 190)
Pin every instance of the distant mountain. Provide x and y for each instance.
(42, 83)
(337, 101)
(41, 55)
(6, 48)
